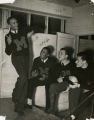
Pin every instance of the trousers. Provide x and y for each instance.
(33, 83)
(85, 110)
(56, 88)
(19, 95)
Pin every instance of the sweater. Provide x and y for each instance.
(43, 68)
(19, 44)
(60, 70)
(86, 77)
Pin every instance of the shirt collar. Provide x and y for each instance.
(44, 60)
(14, 31)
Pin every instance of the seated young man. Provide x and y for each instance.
(63, 76)
(85, 75)
(40, 72)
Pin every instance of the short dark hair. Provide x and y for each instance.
(69, 51)
(86, 55)
(8, 20)
(83, 56)
(48, 50)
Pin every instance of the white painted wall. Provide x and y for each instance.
(82, 22)
(44, 7)
(1, 38)
(8, 73)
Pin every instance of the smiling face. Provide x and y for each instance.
(80, 62)
(13, 24)
(63, 55)
(44, 54)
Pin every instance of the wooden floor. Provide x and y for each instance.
(7, 109)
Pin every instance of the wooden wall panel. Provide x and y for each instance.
(86, 44)
(44, 7)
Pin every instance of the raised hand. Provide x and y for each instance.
(74, 80)
(30, 34)
(35, 73)
(60, 80)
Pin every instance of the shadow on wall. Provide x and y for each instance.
(52, 49)
(90, 55)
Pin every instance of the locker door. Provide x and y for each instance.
(41, 40)
(64, 40)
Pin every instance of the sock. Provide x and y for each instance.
(29, 101)
(73, 117)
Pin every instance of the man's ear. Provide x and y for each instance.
(66, 56)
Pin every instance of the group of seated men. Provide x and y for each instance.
(75, 76)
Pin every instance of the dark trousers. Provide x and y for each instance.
(84, 110)
(74, 97)
(33, 83)
(54, 91)
(19, 95)
(56, 88)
